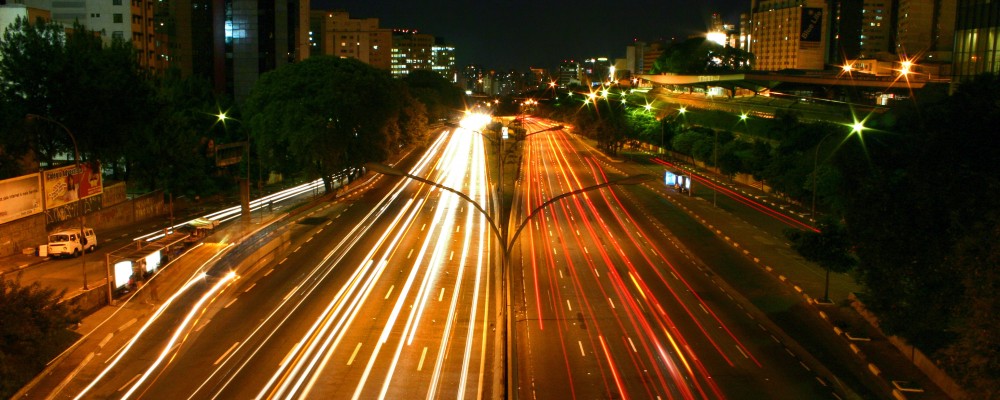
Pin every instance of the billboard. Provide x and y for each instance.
(68, 184)
(20, 197)
(812, 27)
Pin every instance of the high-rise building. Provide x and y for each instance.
(233, 42)
(596, 71)
(411, 51)
(443, 60)
(845, 30)
(640, 56)
(472, 78)
(789, 34)
(877, 33)
(138, 21)
(977, 25)
(335, 33)
(925, 29)
(569, 73)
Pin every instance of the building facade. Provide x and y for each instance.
(335, 33)
(233, 42)
(926, 29)
(410, 51)
(443, 60)
(789, 34)
(569, 73)
(977, 39)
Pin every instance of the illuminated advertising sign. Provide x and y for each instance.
(812, 26)
(68, 184)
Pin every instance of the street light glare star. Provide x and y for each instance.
(649, 107)
(743, 116)
(857, 127)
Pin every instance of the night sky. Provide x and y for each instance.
(517, 34)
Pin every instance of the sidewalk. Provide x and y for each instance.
(835, 333)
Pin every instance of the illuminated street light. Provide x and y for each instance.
(905, 68)
(501, 235)
(743, 116)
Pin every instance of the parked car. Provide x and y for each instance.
(70, 243)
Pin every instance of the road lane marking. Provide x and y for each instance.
(269, 272)
(742, 352)
(633, 345)
(390, 291)
(422, 227)
(804, 366)
(251, 287)
(127, 384)
(230, 302)
(310, 239)
(283, 260)
(296, 288)
(420, 365)
(217, 361)
(458, 228)
(297, 249)
(355, 353)
(441, 296)
(569, 305)
(560, 274)
(674, 275)
(585, 250)
(577, 232)
(451, 256)
(409, 254)
(105, 340)
(583, 353)
(612, 302)
(703, 308)
(597, 273)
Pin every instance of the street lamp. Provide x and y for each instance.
(79, 202)
(501, 235)
(245, 200)
(856, 128)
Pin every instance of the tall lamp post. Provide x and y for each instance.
(79, 202)
(857, 127)
(501, 236)
(245, 200)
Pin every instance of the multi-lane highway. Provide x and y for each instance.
(388, 295)
(609, 303)
(393, 294)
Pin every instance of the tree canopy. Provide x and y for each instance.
(323, 115)
(698, 55)
(33, 330)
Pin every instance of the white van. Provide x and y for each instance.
(70, 243)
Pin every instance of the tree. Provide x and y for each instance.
(829, 248)
(439, 96)
(699, 55)
(323, 115)
(173, 151)
(74, 79)
(33, 330)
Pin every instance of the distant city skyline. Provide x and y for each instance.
(520, 35)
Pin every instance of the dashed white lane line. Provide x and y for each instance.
(583, 353)
(354, 354)
(441, 296)
(423, 355)
(389, 292)
(250, 287)
(218, 360)
(230, 302)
